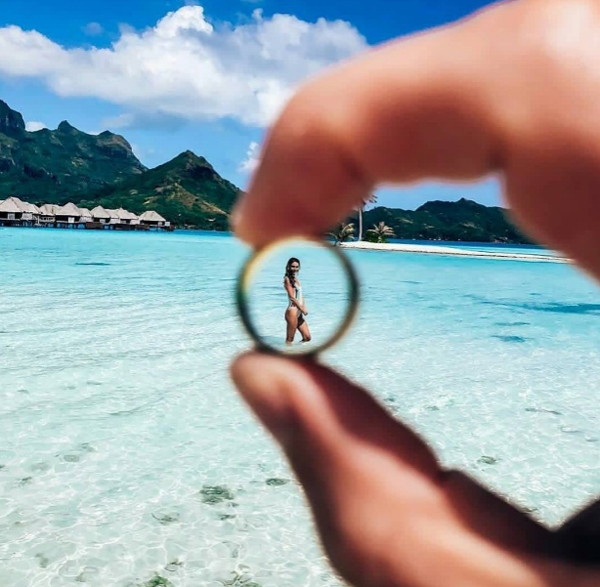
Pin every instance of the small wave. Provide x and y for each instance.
(552, 307)
(510, 338)
(93, 264)
(544, 411)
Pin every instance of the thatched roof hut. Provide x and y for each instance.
(30, 211)
(127, 217)
(152, 218)
(10, 209)
(68, 213)
(69, 209)
(47, 215)
(31, 208)
(100, 214)
(114, 216)
(18, 212)
(49, 209)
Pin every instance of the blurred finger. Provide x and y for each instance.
(373, 484)
(403, 112)
(513, 90)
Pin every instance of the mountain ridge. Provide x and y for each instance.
(186, 190)
(63, 162)
(463, 220)
(66, 164)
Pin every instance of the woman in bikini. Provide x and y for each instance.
(296, 310)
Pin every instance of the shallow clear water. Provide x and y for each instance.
(125, 453)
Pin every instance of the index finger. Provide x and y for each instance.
(492, 93)
(395, 115)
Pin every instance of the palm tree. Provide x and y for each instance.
(380, 233)
(370, 200)
(342, 233)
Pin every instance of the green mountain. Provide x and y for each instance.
(464, 220)
(67, 164)
(55, 165)
(186, 191)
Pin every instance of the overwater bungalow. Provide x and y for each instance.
(152, 218)
(86, 215)
(30, 213)
(127, 217)
(68, 214)
(15, 212)
(49, 209)
(114, 216)
(100, 215)
(10, 210)
(48, 214)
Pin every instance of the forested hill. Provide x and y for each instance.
(463, 220)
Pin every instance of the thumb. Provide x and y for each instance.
(374, 486)
(335, 437)
(303, 403)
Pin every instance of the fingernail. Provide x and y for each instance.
(263, 381)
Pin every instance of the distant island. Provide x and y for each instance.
(463, 220)
(67, 165)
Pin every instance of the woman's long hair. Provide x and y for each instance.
(288, 272)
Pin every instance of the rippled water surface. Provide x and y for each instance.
(126, 456)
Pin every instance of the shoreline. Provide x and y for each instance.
(451, 251)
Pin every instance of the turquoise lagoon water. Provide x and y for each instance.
(125, 454)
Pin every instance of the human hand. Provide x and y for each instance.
(514, 90)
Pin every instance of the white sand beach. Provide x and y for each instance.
(448, 250)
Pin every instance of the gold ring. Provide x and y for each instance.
(249, 271)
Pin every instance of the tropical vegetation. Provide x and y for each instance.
(379, 233)
(186, 191)
(67, 164)
(369, 200)
(342, 233)
(55, 165)
(463, 220)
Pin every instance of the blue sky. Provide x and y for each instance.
(209, 76)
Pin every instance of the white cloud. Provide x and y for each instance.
(93, 29)
(120, 121)
(34, 125)
(252, 158)
(186, 67)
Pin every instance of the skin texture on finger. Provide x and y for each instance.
(513, 90)
(551, 124)
(386, 513)
(581, 534)
(360, 125)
